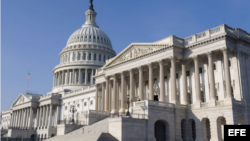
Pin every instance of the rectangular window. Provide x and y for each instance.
(229, 63)
(85, 103)
(200, 70)
(91, 102)
(189, 98)
(94, 57)
(100, 57)
(108, 57)
(104, 58)
(165, 78)
(155, 80)
(214, 66)
(89, 56)
(202, 96)
(94, 71)
(89, 77)
(188, 73)
(84, 56)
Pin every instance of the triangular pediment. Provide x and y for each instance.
(133, 51)
(21, 99)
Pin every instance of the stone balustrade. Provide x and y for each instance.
(153, 103)
(70, 93)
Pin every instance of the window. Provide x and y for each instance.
(65, 107)
(78, 105)
(84, 56)
(95, 57)
(97, 38)
(89, 57)
(108, 57)
(189, 98)
(89, 77)
(100, 57)
(91, 102)
(94, 71)
(94, 37)
(214, 66)
(200, 70)
(165, 78)
(89, 37)
(79, 55)
(188, 73)
(104, 58)
(85, 103)
(229, 63)
(202, 96)
(155, 80)
(177, 76)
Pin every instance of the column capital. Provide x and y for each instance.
(130, 70)
(122, 73)
(209, 53)
(183, 61)
(97, 85)
(139, 68)
(107, 77)
(149, 65)
(172, 58)
(224, 49)
(160, 62)
(195, 57)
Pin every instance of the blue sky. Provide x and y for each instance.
(35, 31)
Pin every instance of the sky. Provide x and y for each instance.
(34, 32)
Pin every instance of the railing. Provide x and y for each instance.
(134, 116)
(98, 112)
(49, 96)
(77, 122)
(78, 90)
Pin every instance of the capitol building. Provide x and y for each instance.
(174, 89)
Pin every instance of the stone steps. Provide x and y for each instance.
(95, 132)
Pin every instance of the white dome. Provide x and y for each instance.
(89, 34)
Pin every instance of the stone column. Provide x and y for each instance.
(75, 76)
(103, 97)
(16, 117)
(141, 95)
(37, 117)
(173, 80)
(21, 119)
(57, 114)
(162, 86)
(107, 95)
(79, 77)
(26, 121)
(96, 97)
(211, 76)
(227, 73)
(150, 81)
(31, 118)
(50, 115)
(43, 116)
(184, 81)
(91, 77)
(63, 77)
(114, 95)
(59, 76)
(197, 79)
(122, 93)
(132, 90)
(86, 76)
(46, 116)
(67, 78)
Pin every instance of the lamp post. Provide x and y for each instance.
(73, 110)
(128, 103)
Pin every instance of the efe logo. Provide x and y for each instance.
(234, 132)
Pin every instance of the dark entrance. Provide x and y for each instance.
(156, 98)
(160, 131)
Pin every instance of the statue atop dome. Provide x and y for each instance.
(91, 7)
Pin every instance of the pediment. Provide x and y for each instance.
(21, 99)
(135, 51)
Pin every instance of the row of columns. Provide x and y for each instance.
(106, 95)
(73, 77)
(22, 118)
(70, 57)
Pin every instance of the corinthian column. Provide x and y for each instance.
(103, 97)
(50, 115)
(211, 76)
(173, 80)
(114, 95)
(197, 79)
(30, 121)
(96, 97)
(162, 87)
(227, 73)
(79, 77)
(184, 81)
(141, 96)
(150, 81)
(122, 93)
(132, 87)
(107, 95)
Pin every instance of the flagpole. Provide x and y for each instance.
(28, 82)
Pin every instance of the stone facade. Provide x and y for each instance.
(184, 89)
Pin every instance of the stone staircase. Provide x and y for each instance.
(95, 132)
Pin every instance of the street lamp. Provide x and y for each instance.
(73, 110)
(128, 103)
